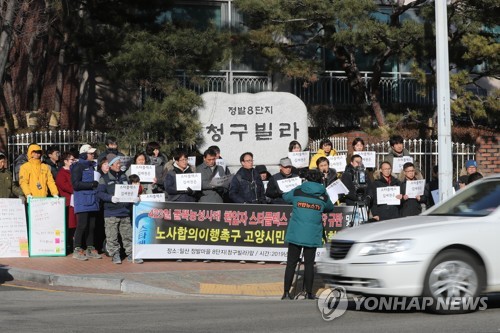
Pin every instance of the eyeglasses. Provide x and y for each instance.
(183, 159)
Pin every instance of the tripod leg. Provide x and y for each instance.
(297, 273)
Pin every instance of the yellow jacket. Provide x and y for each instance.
(35, 172)
(318, 154)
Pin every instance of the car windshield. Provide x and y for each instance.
(480, 199)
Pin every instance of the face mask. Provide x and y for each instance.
(113, 151)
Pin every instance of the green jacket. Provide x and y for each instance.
(309, 202)
(7, 188)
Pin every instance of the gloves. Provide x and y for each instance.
(115, 199)
(137, 200)
(189, 191)
(95, 184)
(55, 196)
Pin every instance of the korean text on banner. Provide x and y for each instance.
(47, 227)
(13, 231)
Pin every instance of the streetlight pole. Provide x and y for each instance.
(443, 103)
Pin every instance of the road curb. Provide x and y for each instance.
(100, 283)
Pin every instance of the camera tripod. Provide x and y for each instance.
(359, 214)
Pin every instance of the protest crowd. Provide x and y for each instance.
(98, 218)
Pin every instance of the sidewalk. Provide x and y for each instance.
(153, 277)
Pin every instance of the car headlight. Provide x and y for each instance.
(385, 246)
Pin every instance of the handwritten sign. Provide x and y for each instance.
(368, 158)
(387, 195)
(223, 181)
(221, 162)
(192, 160)
(146, 173)
(126, 193)
(300, 159)
(47, 227)
(289, 184)
(338, 162)
(398, 162)
(336, 188)
(191, 180)
(153, 197)
(415, 187)
(13, 231)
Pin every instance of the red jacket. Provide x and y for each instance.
(63, 183)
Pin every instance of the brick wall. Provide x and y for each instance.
(488, 154)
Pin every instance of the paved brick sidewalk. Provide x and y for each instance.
(154, 276)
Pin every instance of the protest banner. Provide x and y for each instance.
(218, 231)
(13, 231)
(47, 227)
(126, 193)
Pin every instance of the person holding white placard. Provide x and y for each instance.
(180, 166)
(397, 149)
(384, 178)
(274, 191)
(325, 150)
(116, 214)
(410, 206)
(358, 145)
(142, 159)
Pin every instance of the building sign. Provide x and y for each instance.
(259, 123)
(218, 231)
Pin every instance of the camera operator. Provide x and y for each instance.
(359, 185)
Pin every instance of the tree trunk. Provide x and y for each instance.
(60, 75)
(9, 16)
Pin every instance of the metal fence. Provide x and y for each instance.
(424, 152)
(331, 88)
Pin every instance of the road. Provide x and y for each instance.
(36, 309)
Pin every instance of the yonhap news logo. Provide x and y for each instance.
(333, 303)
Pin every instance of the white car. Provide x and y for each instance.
(450, 250)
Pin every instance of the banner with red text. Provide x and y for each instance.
(218, 231)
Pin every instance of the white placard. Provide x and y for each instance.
(97, 176)
(336, 188)
(300, 159)
(192, 160)
(368, 158)
(191, 180)
(13, 231)
(153, 197)
(146, 173)
(289, 184)
(126, 193)
(221, 162)
(415, 187)
(435, 196)
(387, 195)
(398, 162)
(265, 182)
(338, 162)
(47, 231)
(223, 181)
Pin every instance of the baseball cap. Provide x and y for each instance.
(470, 163)
(286, 162)
(86, 148)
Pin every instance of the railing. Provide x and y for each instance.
(424, 153)
(332, 87)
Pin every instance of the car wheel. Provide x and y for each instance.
(453, 282)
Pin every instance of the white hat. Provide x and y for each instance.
(86, 148)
